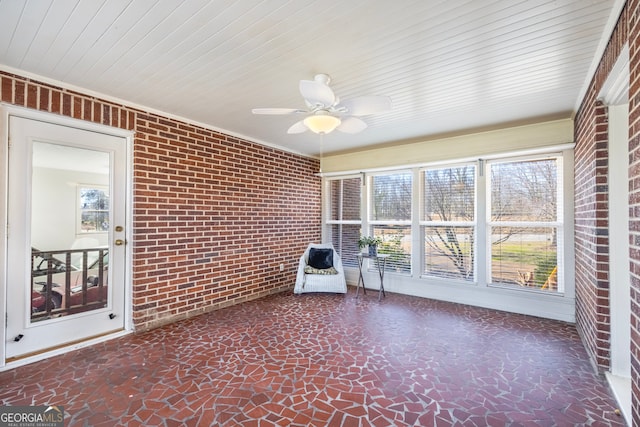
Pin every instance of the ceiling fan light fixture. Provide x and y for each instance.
(322, 123)
(326, 112)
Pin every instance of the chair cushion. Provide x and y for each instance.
(310, 270)
(320, 258)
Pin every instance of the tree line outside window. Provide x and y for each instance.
(521, 218)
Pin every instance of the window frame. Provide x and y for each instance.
(418, 283)
(328, 221)
(422, 223)
(80, 211)
(369, 223)
(328, 181)
(369, 189)
(558, 224)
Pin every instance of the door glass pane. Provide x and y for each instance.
(70, 214)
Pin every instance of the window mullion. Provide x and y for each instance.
(483, 244)
(524, 224)
(417, 254)
(325, 197)
(446, 223)
(364, 206)
(377, 222)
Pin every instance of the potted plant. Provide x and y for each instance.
(371, 242)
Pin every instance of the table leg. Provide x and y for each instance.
(381, 273)
(360, 277)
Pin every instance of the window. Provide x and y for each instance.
(526, 223)
(390, 218)
(448, 222)
(490, 223)
(344, 219)
(93, 209)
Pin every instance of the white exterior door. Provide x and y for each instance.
(65, 269)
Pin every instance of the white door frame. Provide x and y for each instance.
(615, 95)
(7, 111)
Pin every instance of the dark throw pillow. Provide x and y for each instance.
(320, 258)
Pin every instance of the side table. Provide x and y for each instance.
(382, 262)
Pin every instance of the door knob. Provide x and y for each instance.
(119, 242)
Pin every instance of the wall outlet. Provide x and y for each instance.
(281, 267)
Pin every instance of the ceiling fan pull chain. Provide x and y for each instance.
(321, 149)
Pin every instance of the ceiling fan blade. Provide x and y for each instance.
(298, 127)
(276, 111)
(363, 105)
(352, 125)
(317, 93)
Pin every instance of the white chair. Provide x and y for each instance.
(335, 283)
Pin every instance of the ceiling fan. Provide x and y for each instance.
(326, 112)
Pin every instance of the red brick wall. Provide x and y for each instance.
(591, 193)
(214, 216)
(591, 232)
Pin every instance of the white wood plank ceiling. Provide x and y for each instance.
(448, 65)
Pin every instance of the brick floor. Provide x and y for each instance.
(328, 360)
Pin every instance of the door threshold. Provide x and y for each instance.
(14, 362)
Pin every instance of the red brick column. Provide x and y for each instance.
(591, 233)
(634, 197)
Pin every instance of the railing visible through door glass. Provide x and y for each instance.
(68, 281)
